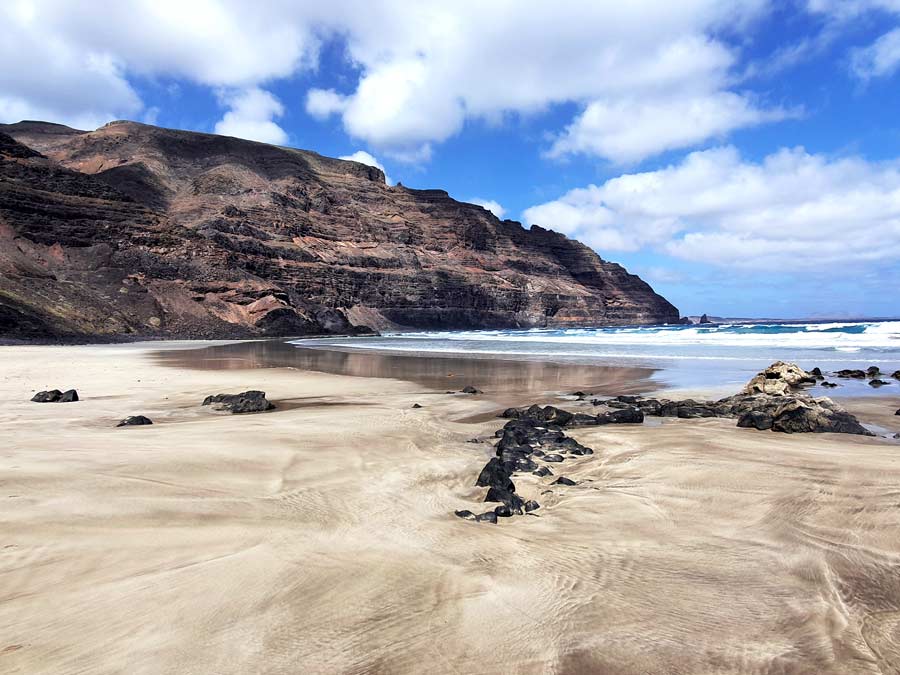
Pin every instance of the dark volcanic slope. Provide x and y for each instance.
(133, 229)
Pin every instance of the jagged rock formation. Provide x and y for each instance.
(136, 230)
(773, 399)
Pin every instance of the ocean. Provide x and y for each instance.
(683, 357)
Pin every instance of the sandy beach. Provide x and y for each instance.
(320, 537)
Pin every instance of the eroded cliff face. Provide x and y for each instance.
(136, 230)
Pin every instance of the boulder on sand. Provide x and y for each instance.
(794, 415)
(245, 402)
(134, 421)
(55, 396)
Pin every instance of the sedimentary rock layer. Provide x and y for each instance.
(137, 230)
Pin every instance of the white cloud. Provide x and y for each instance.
(364, 157)
(628, 130)
(491, 205)
(879, 59)
(426, 69)
(46, 77)
(793, 210)
(323, 103)
(251, 116)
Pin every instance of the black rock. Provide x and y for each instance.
(797, 417)
(583, 420)
(51, 396)
(465, 514)
(543, 471)
(245, 402)
(877, 383)
(503, 511)
(898, 411)
(704, 319)
(830, 385)
(507, 497)
(755, 419)
(817, 373)
(134, 421)
(562, 480)
(495, 474)
(548, 414)
(896, 374)
(489, 517)
(531, 505)
(857, 374)
(55, 396)
(553, 458)
(873, 371)
(623, 416)
(416, 406)
(469, 390)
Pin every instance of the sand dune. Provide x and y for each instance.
(319, 538)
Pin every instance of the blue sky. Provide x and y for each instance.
(743, 157)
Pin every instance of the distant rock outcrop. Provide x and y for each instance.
(134, 230)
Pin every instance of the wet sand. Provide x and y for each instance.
(505, 380)
(319, 537)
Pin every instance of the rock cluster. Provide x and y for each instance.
(770, 400)
(55, 396)
(245, 402)
(530, 436)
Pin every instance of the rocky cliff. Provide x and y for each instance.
(137, 230)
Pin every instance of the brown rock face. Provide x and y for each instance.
(136, 230)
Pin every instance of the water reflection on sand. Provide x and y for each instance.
(442, 373)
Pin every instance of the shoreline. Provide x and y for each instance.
(320, 536)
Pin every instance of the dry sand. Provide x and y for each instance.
(319, 538)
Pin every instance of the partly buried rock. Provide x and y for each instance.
(756, 419)
(877, 383)
(416, 406)
(470, 390)
(55, 396)
(817, 373)
(531, 505)
(245, 402)
(562, 480)
(779, 379)
(896, 374)
(830, 385)
(873, 371)
(807, 415)
(134, 421)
